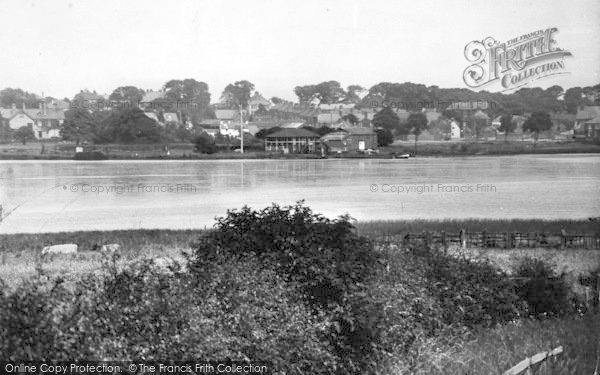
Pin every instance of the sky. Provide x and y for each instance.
(59, 47)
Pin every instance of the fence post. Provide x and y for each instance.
(507, 240)
(483, 239)
(444, 240)
(463, 239)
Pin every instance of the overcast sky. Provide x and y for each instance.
(60, 47)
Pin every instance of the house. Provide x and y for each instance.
(350, 139)
(591, 129)
(88, 100)
(256, 101)
(454, 130)
(328, 118)
(44, 122)
(153, 116)
(292, 141)
(584, 114)
(148, 101)
(171, 118)
(227, 116)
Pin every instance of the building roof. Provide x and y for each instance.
(151, 96)
(171, 117)
(151, 115)
(226, 114)
(258, 99)
(595, 120)
(481, 114)
(334, 136)
(360, 131)
(293, 133)
(89, 96)
(588, 112)
(292, 125)
(328, 118)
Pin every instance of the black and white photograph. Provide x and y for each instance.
(300, 187)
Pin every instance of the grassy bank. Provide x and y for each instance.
(138, 239)
(60, 150)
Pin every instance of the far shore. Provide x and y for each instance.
(184, 151)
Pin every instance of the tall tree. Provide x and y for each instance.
(386, 119)
(127, 94)
(507, 125)
(130, 125)
(237, 94)
(573, 97)
(79, 125)
(353, 93)
(328, 92)
(24, 134)
(187, 96)
(417, 122)
(18, 97)
(384, 137)
(536, 123)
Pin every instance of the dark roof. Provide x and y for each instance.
(594, 121)
(360, 131)
(588, 112)
(293, 133)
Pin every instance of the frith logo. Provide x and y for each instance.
(514, 63)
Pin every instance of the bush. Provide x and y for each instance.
(471, 293)
(325, 260)
(144, 312)
(545, 291)
(90, 155)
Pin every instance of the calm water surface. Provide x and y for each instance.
(51, 196)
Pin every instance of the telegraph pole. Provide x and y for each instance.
(241, 131)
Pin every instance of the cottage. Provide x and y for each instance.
(256, 101)
(292, 141)
(583, 128)
(227, 116)
(454, 130)
(591, 129)
(44, 122)
(350, 139)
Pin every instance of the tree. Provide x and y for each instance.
(352, 93)
(507, 125)
(328, 92)
(127, 94)
(79, 125)
(476, 124)
(536, 123)
(237, 94)
(384, 137)
(276, 100)
(24, 134)
(204, 144)
(351, 118)
(188, 96)
(130, 125)
(18, 97)
(417, 122)
(573, 98)
(386, 119)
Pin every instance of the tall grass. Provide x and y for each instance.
(496, 350)
(396, 227)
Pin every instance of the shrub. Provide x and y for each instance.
(147, 313)
(471, 293)
(90, 155)
(545, 291)
(325, 260)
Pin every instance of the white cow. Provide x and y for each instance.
(60, 249)
(111, 248)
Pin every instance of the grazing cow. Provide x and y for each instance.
(111, 248)
(60, 249)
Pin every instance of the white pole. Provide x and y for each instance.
(241, 131)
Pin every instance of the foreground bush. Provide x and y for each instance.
(545, 291)
(146, 313)
(324, 259)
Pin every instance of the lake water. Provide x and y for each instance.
(51, 196)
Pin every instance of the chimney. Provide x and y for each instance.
(23, 105)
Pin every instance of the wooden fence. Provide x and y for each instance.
(505, 240)
(536, 360)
